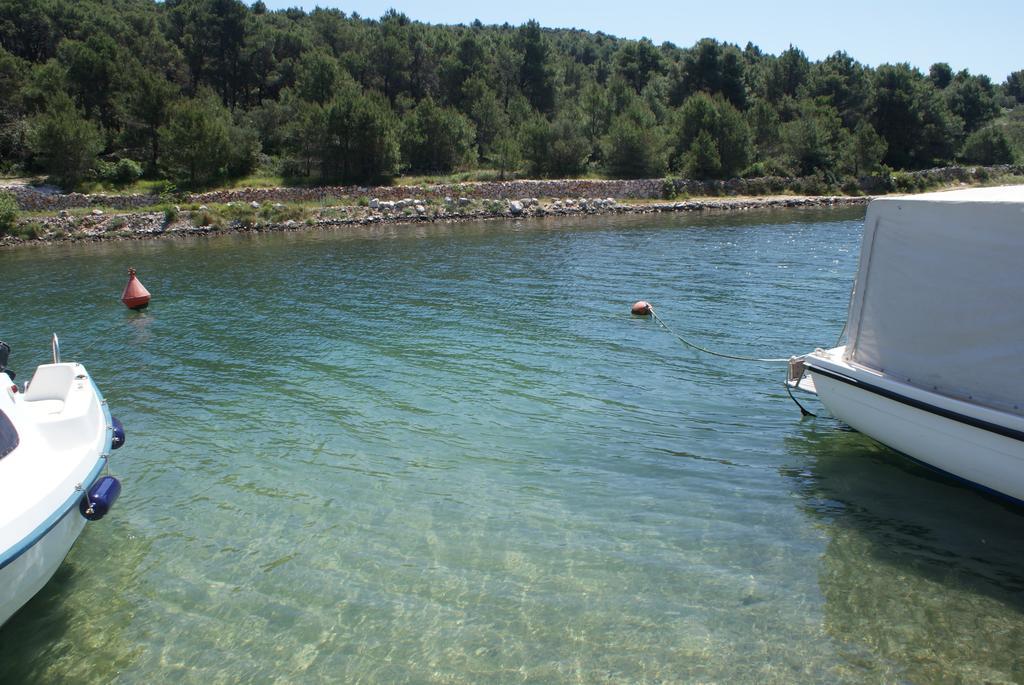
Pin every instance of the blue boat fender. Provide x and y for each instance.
(100, 499)
(118, 437)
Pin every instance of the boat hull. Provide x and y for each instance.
(973, 448)
(61, 445)
(26, 575)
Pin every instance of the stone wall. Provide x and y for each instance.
(30, 199)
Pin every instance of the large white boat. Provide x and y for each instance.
(55, 440)
(933, 364)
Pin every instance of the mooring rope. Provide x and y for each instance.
(712, 352)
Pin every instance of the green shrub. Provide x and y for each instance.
(203, 218)
(241, 214)
(851, 187)
(170, 215)
(818, 183)
(30, 231)
(988, 146)
(713, 189)
(879, 182)
(755, 170)
(166, 191)
(904, 182)
(207, 217)
(8, 213)
(121, 173)
(127, 171)
(769, 168)
(668, 189)
(283, 213)
(758, 186)
(101, 171)
(293, 169)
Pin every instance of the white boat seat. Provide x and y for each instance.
(50, 382)
(62, 404)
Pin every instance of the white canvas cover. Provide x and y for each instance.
(939, 296)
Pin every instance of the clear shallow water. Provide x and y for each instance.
(448, 454)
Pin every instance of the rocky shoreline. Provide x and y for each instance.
(30, 198)
(252, 216)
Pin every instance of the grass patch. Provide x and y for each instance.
(30, 230)
(280, 214)
(258, 180)
(159, 186)
(140, 187)
(337, 212)
(1004, 180)
(238, 214)
(8, 213)
(246, 216)
(207, 218)
(473, 176)
(87, 211)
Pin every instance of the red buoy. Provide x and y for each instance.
(641, 308)
(135, 295)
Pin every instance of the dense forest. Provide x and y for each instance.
(198, 92)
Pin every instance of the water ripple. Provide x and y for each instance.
(449, 454)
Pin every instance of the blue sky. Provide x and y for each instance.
(983, 36)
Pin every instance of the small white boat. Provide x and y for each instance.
(55, 440)
(933, 364)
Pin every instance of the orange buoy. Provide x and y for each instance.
(641, 308)
(135, 295)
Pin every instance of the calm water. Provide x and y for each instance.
(448, 454)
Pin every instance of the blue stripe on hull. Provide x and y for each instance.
(70, 505)
(923, 406)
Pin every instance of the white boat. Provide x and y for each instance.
(55, 440)
(933, 364)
